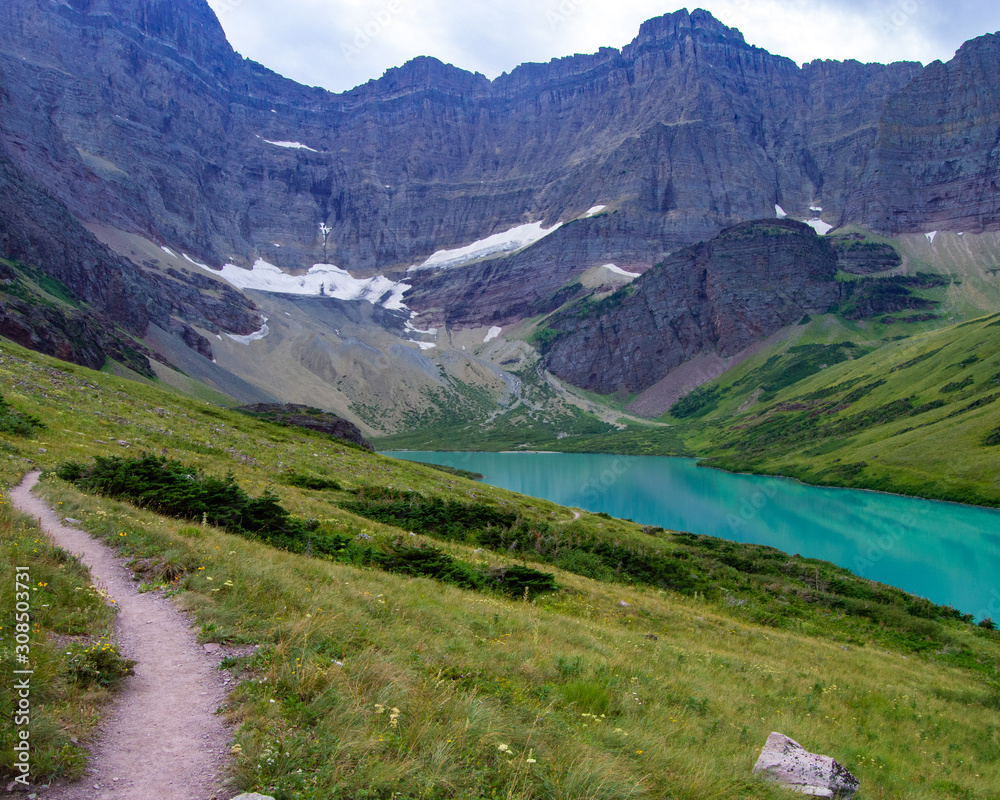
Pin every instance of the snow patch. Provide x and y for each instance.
(323, 279)
(196, 263)
(506, 242)
(822, 228)
(251, 337)
(168, 251)
(930, 236)
(779, 211)
(817, 209)
(492, 334)
(424, 345)
(620, 271)
(594, 211)
(291, 145)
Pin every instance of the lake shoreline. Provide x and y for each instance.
(946, 551)
(702, 462)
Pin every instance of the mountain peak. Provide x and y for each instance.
(424, 72)
(670, 26)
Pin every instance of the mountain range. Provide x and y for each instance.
(401, 245)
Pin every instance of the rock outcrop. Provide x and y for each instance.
(312, 419)
(37, 229)
(721, 296)
(790, 764)
(859, 256)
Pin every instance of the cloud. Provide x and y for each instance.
(344, 43)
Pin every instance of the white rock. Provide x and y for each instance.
(790, 764)
(253, 796)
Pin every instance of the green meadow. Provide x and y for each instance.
(659, 675)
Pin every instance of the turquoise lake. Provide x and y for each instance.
(945, 552)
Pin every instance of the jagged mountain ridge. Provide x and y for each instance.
(157, 126)
(138, 117)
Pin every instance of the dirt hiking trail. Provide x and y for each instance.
(161, 738)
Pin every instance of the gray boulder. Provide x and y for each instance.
(790, 764)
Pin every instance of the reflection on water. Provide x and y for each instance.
(946, 552)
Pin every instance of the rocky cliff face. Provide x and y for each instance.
(535, 281)
(721, 296)
(37, 229)
(936, 162)
(139, 115)
(858, 256)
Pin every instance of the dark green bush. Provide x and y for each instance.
(17, 423)
(175, 490)
(172, 489)
(430, 562)
(521, 581)
(411, 511)
(416, 560)
(957, 386)
(583, 563)
(697, 403)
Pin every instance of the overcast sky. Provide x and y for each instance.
(339, 44)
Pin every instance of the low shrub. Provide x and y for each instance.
(17, 423)
(99, 664)
(411, 511)
(173, 489)
(697, 403)
(504, 531)
(957, 386)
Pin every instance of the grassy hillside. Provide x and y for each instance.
(657, 674)
(920, 416)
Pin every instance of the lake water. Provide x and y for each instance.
(946, 552)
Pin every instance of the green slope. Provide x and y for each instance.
(920, 416)
(658, 676)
